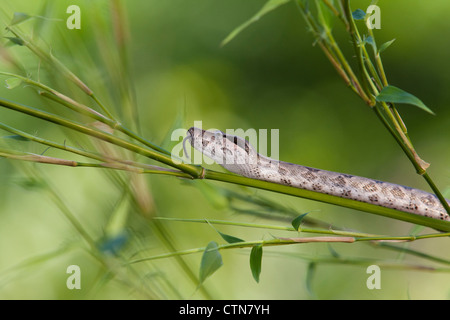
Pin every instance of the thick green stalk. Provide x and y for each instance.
(334, 54)
(321, 197)
(111, 123)
(192, 170)
(289, 241)
(358, 51)
(399, 133)
(106, 161)
(271, 227)
(413, 158)
(62, 99)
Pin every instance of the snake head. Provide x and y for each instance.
(231, 152)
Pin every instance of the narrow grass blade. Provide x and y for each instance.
(269, 6)
(297, 221)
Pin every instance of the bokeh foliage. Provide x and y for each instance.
(270, 76)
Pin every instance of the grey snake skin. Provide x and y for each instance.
(238, 156)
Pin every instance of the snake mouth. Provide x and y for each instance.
(190, 132)
(190, 135)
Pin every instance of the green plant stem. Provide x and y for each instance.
(390, 246)
(271, 227)
(107, 161)
(31, 157)
(65, 71)
(283, 241)
(192, 170)
(199, 172)
(58, 65)
(334, 54)
(413, 159)
(113, 124)
(246, 244)
(348, 203)
(437, 192)
(52, 144)
(62, 99)
(378, 61)
(358, 51)
(358, 235)
(118, 13)
(400, 133)
(164, 236)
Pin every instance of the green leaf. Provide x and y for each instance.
(385, 45)
(228, 238)
(358, 14)
(297, 221)
(370, 41)
(31, 183)
(333, 252)
(19, 17)
(12, 83)
(309, 277)
(118, 217)
(15, 40)
(112, 245)
(255, 261)
(395, 95)
(211, 261)
(269, 6)
(16, 137)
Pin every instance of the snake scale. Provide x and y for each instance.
(238, 156)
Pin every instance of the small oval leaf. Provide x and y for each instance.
(396, 95)
(211, 261)
(358, 14)
(255, 261)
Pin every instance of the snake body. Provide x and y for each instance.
(238, 156)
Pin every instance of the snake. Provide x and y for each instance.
(238, 156)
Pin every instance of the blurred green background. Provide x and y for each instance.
(270, 76)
